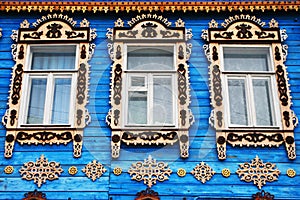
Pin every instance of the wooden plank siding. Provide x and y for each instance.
(96, 141)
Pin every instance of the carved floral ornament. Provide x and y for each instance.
(248, 30)
(203, 172)
(41, 171)
(94, 170)
(149, 29)
(149, 171)
(258, 172)
(121, 6)
(50, 29)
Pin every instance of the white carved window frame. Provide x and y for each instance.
(55, 29)
(163, 34)
(248, 30)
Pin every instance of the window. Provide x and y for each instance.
(250, 98)
(49, 85)
(149, 84)
(250, 84)
(50, 91)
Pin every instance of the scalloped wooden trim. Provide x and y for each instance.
(105, 7)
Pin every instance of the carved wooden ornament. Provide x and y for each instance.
(203, 172)
(9, 169)
(72, 170)
(226, 172)
(94, 170)
(247, 30)
(149, 171)
(262, 195)
(291, 173)
(181, 172)
(35, 195)
(102, 7)
(258, 172)
(147, 29)
(50, 29)
(40, 171)
(147, 194)
(117, 171)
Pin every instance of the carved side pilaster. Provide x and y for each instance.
(115, 143)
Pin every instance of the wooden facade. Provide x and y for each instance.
(202, 173)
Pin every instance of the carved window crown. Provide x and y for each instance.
(249, 85)
(49, 89)
(150, 83)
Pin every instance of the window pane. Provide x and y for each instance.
(53, 58)
(237, 99)
(137, 108)
(246, 59)
(137, 81)
(150, 58)
(37, 101)
(61, 101)
(163, 103)
(262, 100)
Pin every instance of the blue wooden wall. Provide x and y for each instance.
(97, 134)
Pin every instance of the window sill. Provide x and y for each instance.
(45, 126)
(245, 128)
(149, 127)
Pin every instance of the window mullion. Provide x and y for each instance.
(49, 99)
(150, 99)
(250, 101)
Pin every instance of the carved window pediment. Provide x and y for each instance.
(35, 195)
(244, 30)
(149, 57)
(54, 29)
(147, 194)
(250, 98)
(54, 37)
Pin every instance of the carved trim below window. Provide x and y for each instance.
(54, 29)
(245, 30)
